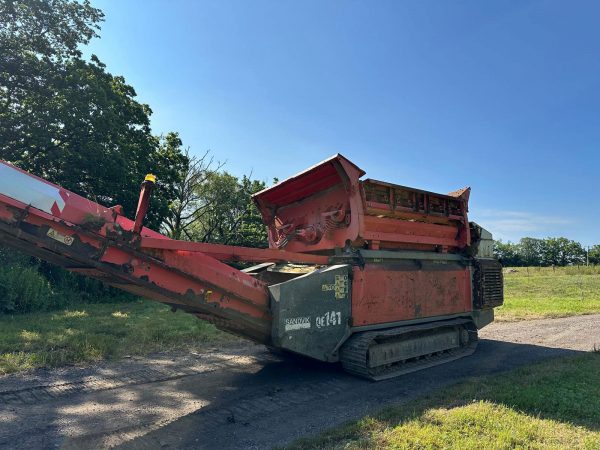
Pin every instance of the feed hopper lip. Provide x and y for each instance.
(319, 177)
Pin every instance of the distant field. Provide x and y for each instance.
(93, 332)
(534, 292)
(555, 404)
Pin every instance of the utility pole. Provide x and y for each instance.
(587, 255)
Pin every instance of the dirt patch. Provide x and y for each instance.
(242, 396)
(575, 332)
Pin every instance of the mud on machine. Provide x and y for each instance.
(382, 278)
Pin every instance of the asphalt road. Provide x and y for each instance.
(242, 397)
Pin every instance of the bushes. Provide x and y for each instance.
(28, 284)
(23, 289)
(73, 288)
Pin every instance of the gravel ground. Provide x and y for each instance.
(242, 397)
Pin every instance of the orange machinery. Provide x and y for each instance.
(383, 278)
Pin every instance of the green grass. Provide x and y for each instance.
(555, 404)
(94, 332)
(533, 292)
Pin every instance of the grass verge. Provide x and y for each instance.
(534, 292)
(555, 404)
(102, 331)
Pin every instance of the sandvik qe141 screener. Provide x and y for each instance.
(383, 278)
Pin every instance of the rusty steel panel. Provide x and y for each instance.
(390, 230)
(396, 292)
(233, 253)
(403, 201)
(314, 210)
(328, 205)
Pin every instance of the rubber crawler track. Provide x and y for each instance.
(354, 353)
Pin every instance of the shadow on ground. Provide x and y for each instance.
(255, 401)
(285, 400)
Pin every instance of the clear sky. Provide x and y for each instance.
(503, 96)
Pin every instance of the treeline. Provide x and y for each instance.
(546, 252)
(67, 119)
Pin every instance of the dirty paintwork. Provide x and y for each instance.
(406, 290)
(346, 256)
(327, 206)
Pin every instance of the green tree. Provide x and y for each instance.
(69, 120)
(561, 252)
(229, 215)
(594, 254)
(508, 253)
(530, 251)
(544, 252)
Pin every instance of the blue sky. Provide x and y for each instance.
(502, 96)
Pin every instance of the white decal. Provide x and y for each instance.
(297, 323)
(330, 318)
(29, 190)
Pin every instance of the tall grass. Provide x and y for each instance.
(23, 289)
(551, 271)
(28, 285)
(545, 292)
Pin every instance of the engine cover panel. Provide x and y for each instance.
(312, 313)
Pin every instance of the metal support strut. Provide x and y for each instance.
(143, 202)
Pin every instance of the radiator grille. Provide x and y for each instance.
(488, 284)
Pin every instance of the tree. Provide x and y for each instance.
(544, 252)
(561, 252)
(188, 205)
(529, 251)
(508, 253)
(38, 39)
(69, 120)
(594, 254)
(232, 217)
